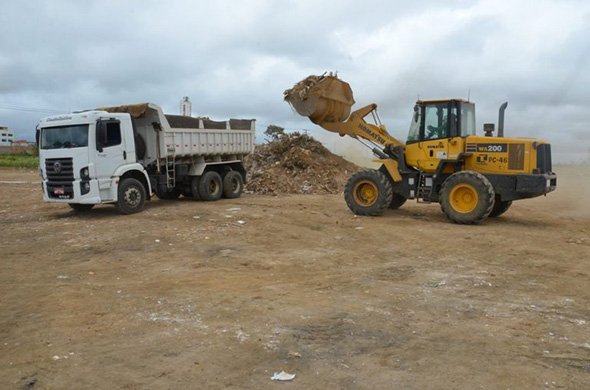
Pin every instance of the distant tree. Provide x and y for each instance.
(273, 133)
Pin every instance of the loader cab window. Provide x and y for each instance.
(436, 121)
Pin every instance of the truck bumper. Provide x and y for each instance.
(75, 192)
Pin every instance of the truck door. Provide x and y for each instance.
(109, 152)
(439, 122)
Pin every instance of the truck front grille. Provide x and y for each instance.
(544, 158)
(60, 177)
(59, 169)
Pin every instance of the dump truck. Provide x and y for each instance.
(471, 176)
(125, 154)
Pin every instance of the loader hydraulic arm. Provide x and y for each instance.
(356, 126)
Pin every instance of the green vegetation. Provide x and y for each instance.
(274, 132)
(21, 160)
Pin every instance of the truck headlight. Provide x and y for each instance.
(84, 174)
(84, 187)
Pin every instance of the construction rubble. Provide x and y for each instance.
(296, 164)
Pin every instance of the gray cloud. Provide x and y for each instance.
(236, 58)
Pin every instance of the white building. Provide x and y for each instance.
(6, 136)
(185, 107)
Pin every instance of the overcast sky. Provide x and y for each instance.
(235, 58)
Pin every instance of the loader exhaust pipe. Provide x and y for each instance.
(501, 119)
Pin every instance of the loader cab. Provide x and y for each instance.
(438, 119)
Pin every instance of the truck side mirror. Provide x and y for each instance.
(101, 135)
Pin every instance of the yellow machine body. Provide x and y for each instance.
(487, 155)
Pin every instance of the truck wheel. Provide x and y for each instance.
(80, 206)
(467, 197)
(210, 186)
(131, 196)
(500, 207)
(368, 192)
(397, 201)
(194, 188)
(168, 194)
(233, 185)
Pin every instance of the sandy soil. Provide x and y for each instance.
(221, 295)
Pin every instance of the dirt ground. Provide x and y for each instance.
(221, 295)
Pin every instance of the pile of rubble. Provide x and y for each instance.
(296, 164)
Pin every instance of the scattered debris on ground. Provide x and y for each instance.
(296, 164)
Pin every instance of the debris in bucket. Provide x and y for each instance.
(296, 163)
(282, 376)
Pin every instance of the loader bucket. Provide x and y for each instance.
(321, 98)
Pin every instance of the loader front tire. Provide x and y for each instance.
(368, 192)
(467, 197)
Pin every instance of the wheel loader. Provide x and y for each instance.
(443, 160)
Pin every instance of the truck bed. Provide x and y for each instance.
(179, 136)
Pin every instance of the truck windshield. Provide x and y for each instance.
(64, 137)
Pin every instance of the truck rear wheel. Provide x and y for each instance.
(500, 207)
(131, 196)
(233, 185)
(210, 186)
(193, 191)
(368, 192)
(467, 197)
(168, 194)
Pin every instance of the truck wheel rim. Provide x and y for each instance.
(365, 193)
(213, 187)
(463, 198)
(132, 197)
(235, 185)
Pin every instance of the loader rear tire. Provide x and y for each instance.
(397, 201)
(368, 192)
(467, 197)
(500, 207)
